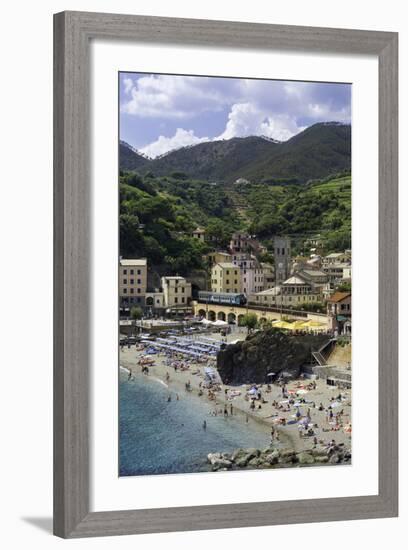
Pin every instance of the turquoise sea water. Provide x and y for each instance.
(158, 437)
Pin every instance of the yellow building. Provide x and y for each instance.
(226, 277)
(132, 282)
(218, 257)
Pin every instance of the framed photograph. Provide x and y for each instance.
(222, 190)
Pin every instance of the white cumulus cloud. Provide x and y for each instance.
(182, 138)
(127, 85)
(246, 119)
(168, 96)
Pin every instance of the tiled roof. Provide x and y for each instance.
(227, 265)
(339, 296)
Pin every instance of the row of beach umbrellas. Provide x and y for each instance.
(299, 325)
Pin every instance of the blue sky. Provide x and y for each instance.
(159, 113)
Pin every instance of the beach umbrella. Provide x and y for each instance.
(314, 324)
(283, 324)
(297, 325)
(206, 322)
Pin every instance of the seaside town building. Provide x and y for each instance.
(268, 271)
(155, 301)
(240, 242)
(244, 243)
(315, 277)
(199, 234)
(226, 277)
(132, 282)
(176, 292)
(339, 309)
(336, 272)
(218, 257)
(252, 278)
(282, 259)
(337, 258)
(294, 292)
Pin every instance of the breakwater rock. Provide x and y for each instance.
(271, 350)
(278, 458)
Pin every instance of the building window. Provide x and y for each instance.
(227, 282)
(139, 281)
(183, 299)
(176, 300)
(132, 281)
(132, 291)
(183, 289)
(138, 300)
(125, 272)
(138, 272)
(132, 271)
(138, 290)
(125, 291)
(125, 281)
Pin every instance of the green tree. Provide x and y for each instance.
(136, 313)
(249, 320)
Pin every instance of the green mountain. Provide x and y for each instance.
(129, 159)
(315, 153)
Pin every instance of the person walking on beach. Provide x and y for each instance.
(169, 399)
(231, 409)
(225, 411)
(204, 425)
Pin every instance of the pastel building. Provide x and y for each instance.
(132, 282)
(226, 277)
(176, 292)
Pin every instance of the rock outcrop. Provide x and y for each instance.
(278, 458)
(267, 351)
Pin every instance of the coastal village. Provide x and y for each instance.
(300, 288)
(267, 342)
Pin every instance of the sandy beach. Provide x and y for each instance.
(322, 404)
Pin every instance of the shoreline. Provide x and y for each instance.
(289, 437)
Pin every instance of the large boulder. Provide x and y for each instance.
(267, 351)
(305, 458)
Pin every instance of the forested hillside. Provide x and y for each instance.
(317, 152)
(158, 215)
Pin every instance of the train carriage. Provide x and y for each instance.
(222, 298)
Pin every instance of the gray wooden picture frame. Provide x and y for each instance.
(72, 205)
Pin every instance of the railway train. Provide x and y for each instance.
(222, 298)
